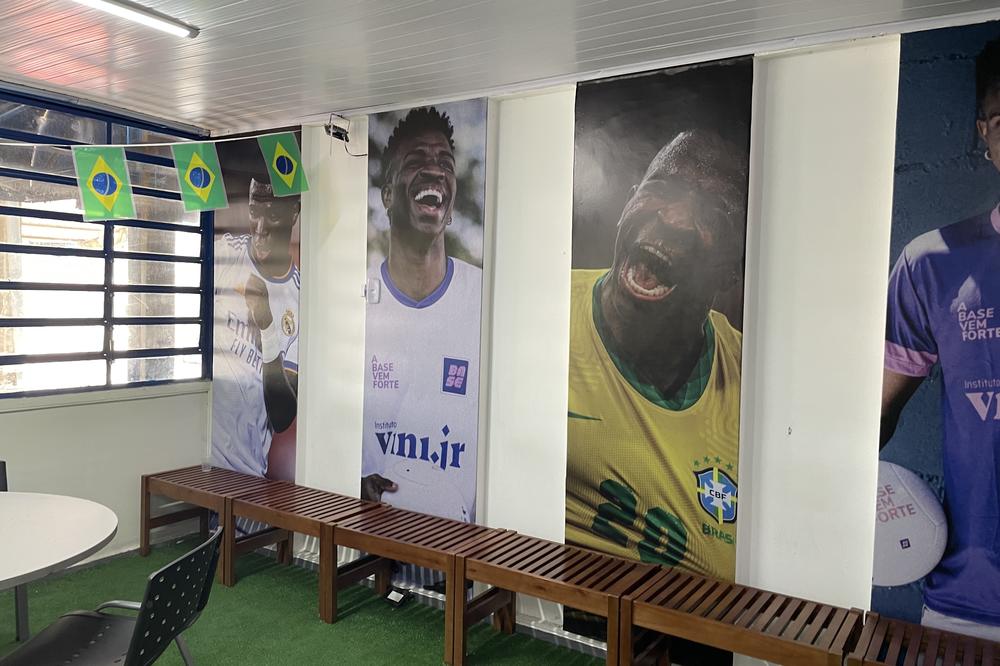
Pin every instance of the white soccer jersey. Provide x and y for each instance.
(241, 433)
(421, 414)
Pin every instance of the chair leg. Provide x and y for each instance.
(183, 649)
(22, 632)
(144, 516)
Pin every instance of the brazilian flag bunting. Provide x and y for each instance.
(102, 176)
(284, 164)
(200, 177)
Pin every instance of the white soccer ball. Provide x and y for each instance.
(910, 528)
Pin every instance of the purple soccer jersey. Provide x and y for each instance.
(944, 307)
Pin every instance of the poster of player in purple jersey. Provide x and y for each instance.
(941, 387)
(256, 313)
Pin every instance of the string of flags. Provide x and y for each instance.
(106, 191)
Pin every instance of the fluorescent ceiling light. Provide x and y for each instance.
(149, 17)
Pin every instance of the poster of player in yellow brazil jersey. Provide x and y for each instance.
(659, 234)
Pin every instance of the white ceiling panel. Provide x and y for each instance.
(265, 63)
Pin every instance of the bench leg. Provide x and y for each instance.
(203, 520)
(383, 578)
(614, 628)
(144, 516)
(625, 646)
(505, 619)
(227, 559)
(456, 597)
(327, 575)
(285, 550)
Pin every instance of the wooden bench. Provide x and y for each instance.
(312, 512)
(396, 534)
(210, 490)
(520, 564)
(891, 642)
(745, 620)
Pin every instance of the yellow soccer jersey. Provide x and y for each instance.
(644, 481)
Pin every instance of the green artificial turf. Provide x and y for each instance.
(270, 617)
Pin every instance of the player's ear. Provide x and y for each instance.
(387, 196)
(982, 127)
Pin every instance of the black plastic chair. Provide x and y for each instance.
(175, 597)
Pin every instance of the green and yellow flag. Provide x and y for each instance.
(102, 176)
(284, 164)
(200, 176)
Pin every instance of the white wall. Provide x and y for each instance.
(817, 265)
(334, 236)
(525, 445)
(97, 449)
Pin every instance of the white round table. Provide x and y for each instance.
(43, 534)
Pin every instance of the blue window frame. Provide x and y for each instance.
(96, 305)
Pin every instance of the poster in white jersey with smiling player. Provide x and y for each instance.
(425, 250)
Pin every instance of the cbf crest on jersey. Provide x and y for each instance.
(717, 494)
(102, 176)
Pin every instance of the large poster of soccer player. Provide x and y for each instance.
(256, 332)
(659, 229)
(937, 558)
(426, 194)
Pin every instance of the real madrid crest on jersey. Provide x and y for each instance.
(716, 491)
(288, 323)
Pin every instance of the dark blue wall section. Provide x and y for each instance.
(941, 177)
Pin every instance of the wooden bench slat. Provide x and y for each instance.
(816, 625)
(566, 559)
(608, 571)
(794, 628)
(502, 556)
(878, 637)
(542, 557)
(515, 555)
(683, 595)
(743, 601)
(668, 590)
(832, 628)
(763, 619)
(950, 651)
(912, 646)
(746, 619)
(787, 613)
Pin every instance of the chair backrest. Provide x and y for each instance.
(175, 596)
(3, 476)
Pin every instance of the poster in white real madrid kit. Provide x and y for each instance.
(659, 231)
(256, 319)
(426, 192)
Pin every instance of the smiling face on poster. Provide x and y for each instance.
(942, 345)
(422, 325)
